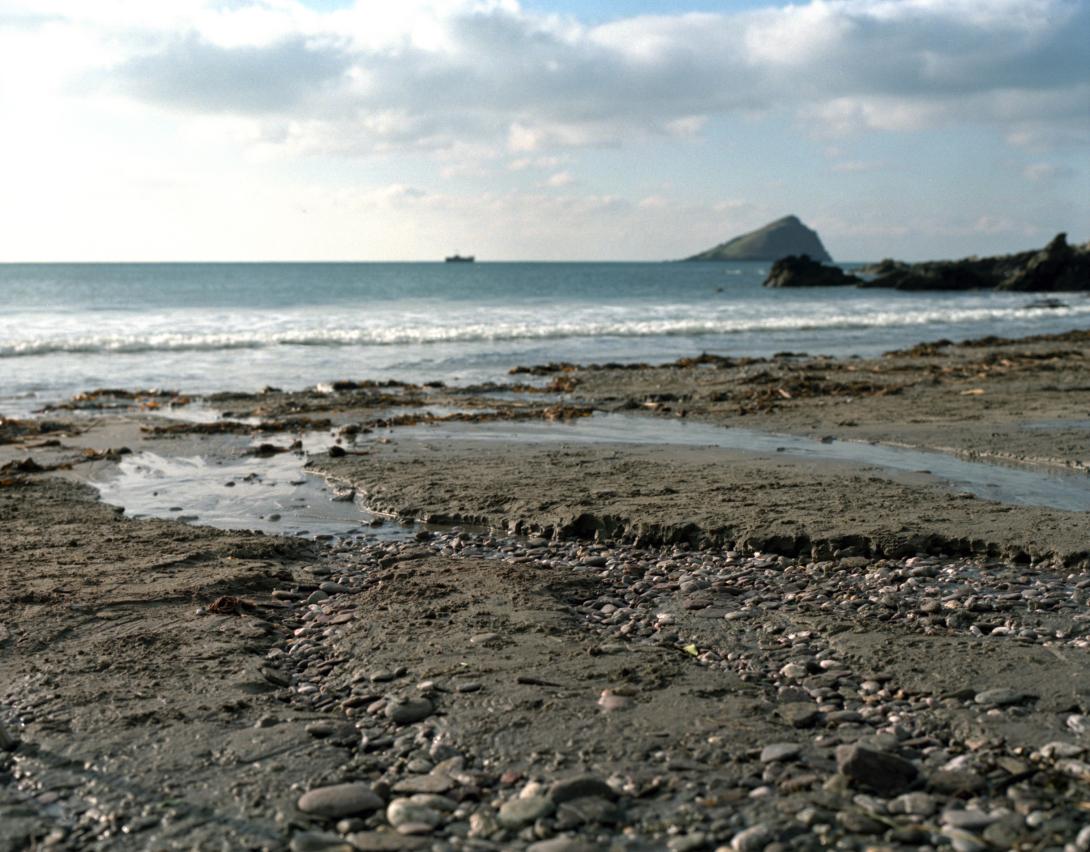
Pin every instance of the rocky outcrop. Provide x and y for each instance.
(803, 271)
(784, 237)
(1058, 267)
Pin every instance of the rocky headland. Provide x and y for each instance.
(1057, 268)
(784, 237)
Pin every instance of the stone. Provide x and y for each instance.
(516, 813)
(318, 841)
(340, 800)
(794, 671)
(587, 810)
(578, 787)
(858, 822)
(1000, 697)
(385, 841)
(955, 782)
(752, 839)
(970, 819)
(914, 804)
(884, 773)
(562, 844)
(610, 701)
(7, 741)
(777, 752)
(434, 782)
(329, 728)
(483, 824)
(1058, 750)
(403, 812)
(331, 588)
(688, 842)
(799, 714)
(963, 841)
(408, 710)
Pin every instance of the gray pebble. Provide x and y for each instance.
(340, 800)
(516, 813)
(775, 752)
(1000, 697)
(409, 710)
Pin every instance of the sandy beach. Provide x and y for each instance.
(784, 603)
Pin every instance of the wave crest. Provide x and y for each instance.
(474, 332)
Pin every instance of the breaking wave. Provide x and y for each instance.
(308, 332)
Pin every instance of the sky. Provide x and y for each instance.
(187, 130)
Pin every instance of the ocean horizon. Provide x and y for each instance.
(206, 327)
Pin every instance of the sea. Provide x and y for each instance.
(203, 327)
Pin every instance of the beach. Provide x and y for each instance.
(739, 602)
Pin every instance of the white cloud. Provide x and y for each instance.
(431, 74)
(560, 179)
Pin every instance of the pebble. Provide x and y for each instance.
(963, 841)
(578, 787)
(384, 841)
(405, 812)
(799, 714)
(317, 841)
(886, 774)
(999, 697)
(562, 844)
(753, 839)
(408, 710)
(776, 752)
(515, 813)
(917, 804)
(340, 800)
(643, 599)
(435, 782)
(610, 701)
(969, 820)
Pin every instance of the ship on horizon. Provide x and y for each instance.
(460, 258)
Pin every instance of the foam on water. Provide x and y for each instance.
(208, 327)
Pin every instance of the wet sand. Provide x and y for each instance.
(722, 648)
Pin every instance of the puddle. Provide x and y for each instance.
(1058, 425)
(1019, 486)
(273, 494)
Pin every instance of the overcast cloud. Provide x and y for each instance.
(493, 72)
(475, 82)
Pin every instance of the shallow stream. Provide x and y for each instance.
(276, 494)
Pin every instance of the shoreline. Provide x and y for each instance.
(710, 648)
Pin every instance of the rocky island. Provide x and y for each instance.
(1057, 268)
(782, 238)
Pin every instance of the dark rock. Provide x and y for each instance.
(955, 782)
(1056, 268)
(800, 714)
(578, 787)
(587, 810)
(884, 773)
(803, 271)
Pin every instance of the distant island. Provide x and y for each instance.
(1056, 268)
(782, 238)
